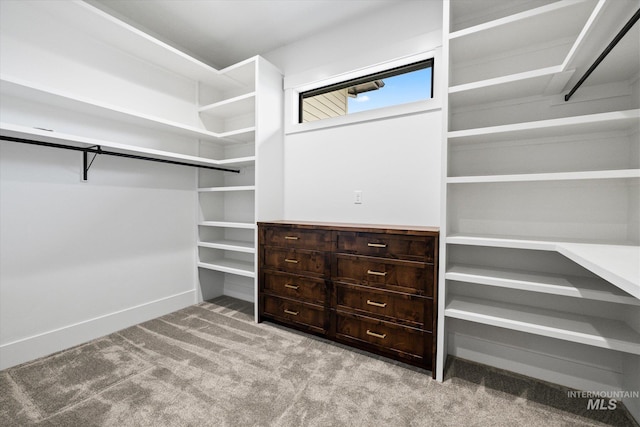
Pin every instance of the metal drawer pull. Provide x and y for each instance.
(292, 261)
(377, 273)
(376, 245)
(377, 304)
(293, 313)
(373, 334)
(295, 287)
(291, 238)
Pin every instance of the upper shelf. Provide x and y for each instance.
(541, 26)
(601, 122)
(11, 86)
(549, 80)
(470, 13)
(88, 19)
(243, 104)
(554, 41)
(554, 176)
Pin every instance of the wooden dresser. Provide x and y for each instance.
(369, 286)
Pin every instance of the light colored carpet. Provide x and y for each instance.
(211, 365)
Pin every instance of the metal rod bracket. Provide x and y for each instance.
(85, 167)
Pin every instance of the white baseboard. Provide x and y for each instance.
(30, 348)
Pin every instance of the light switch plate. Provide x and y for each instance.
(357, 197)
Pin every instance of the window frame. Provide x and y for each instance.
(391, 72)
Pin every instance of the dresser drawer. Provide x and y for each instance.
(403, 276)
(295, 312)
(298, 239)
(295, 260)
(387, 245)
(403, 308)
(403, 341)
(294, 286)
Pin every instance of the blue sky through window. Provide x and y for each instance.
(400, 89)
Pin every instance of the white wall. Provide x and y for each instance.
(394, 161)
(82, 259)
(79, 260)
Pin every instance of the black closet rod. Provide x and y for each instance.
(604, 53)
(98, 150)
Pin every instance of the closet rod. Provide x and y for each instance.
(99, 150)
(604, 53)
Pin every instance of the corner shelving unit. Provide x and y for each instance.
(248, 119)
(93, 80)
(542, 233)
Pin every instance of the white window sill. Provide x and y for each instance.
(366, 116)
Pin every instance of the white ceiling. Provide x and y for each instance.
(224, 32)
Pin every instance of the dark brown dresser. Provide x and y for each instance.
(373, 287)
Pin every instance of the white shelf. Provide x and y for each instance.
(539, 26)
(239, 135)
(230, 245)
(230, 266)
(228, 224)
(513, 242)
(90, 20)
(594, 331)
(466, 14)
(549, 80)
(555, 284)
(557, 176)
(617, 264)
(240, 161)
(586, 124)
(240, 105)
(17, 131)
(223, 189)
(11, 86)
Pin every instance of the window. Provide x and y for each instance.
(400, 85)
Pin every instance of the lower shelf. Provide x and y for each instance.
(230, 245)
(230, 266)
(618, 264)
(555, 284)
(228, 224)
(594, 331)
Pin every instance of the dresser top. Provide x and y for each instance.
(363, 228)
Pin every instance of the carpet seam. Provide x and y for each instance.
(98, 393)
(25, 398)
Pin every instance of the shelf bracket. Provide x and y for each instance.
(85, 167)
(604, 53)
